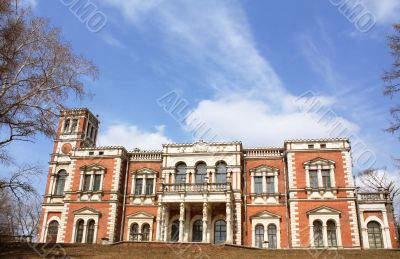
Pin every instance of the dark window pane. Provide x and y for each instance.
(180, 173)
(331, 228)
(374, 235)
(318, 238)
(175, 231)
(86, 182)
(149, 186)
(79, 231)
(326, 178)
(97, 181)
(197, 235)
(270, 184)
(145, 232)
(272, 241)
(220, 231)
(258, 184)
(201, 172)
(90, 232)
(134, 233)
(60, 182)
(313, 178)
(221, 173)
(259, 236)
(138, 186)
(52, 232)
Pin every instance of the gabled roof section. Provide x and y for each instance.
(141, 215)
(92, 167)
(145, 170)
(87, 211)
(324, 210)
(319, 161)
(262, 168)
(265, 215)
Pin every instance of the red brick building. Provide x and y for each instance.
(299, 195)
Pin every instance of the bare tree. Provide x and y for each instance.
(376, 180)
(38, 72)
(392, 78)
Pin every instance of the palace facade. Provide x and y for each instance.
(300, 195)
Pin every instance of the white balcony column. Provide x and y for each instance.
(276, 182)
(144, 185)
(252, 182)
(166, 223)
(307, 169)
(325, 234)
(205, 210)
(320, 183)
(228, 223)
(181, 221)
(339, 236)
(264, 182)
(158, 220)
(332, 175)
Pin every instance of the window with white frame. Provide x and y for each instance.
(325, 231)
(92, 178)
(86, 225)
(264, 179)
(140, 226)
(180, 173)
(320, 173)
(221, 171)
(143, 182)
(60, 182)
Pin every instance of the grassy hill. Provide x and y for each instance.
(192, 251)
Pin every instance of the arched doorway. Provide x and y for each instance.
(175, 231)
(52, 232)
(197, 233)
(374, 235)
(220, 231)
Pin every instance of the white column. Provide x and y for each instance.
(166, 224)
(325, 234)
(264, 182)
(158, 220)
(307, 168)
(162, 223)
(332, 176)
(181, 221)
(133, 184)
(339, 236)
(204, 222)
(154, 185)
(81, 183)
(91, 181)
(84, 232)
(144, 185)
(252, 182)
(386, 232)
(364, 233)
(228, 223)
(96, 227)
(187, 176)
(320, 184)
(276, 182)
(311, 236)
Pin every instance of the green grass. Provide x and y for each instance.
(192, 251)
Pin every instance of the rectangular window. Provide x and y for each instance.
(74, 125)
(258, 184)
(326, 178)
(86, 182)
(270, 184)
(97, 181)
(149, 186)
(313, 178)
(138, 186)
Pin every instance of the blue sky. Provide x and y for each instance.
(240, 67)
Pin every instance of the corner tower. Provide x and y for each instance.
(77, 128)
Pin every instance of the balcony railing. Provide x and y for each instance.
(195, 187)
(373, 196)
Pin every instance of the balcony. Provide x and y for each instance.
(372, 197)
(195, 187)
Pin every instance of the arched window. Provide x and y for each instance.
(197, 234)
(175, 231)
(374, 235)
(220, 231)
(79, 231)
(221, 172)
(201, 172)
(331, 228)
(145, 232)
(90, 232)
(272, 240)
(180, 173)
(134, 234)
(52, 232)
(259, 236)
(60, 182)
(318, 238)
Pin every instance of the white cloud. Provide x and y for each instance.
(250, 102)
(385, 11)
(112, 41)
(130, 136)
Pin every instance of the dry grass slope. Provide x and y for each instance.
(177, 251)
